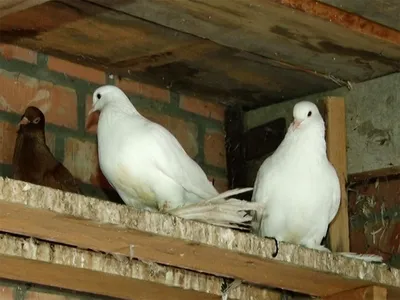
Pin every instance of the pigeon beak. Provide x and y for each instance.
(296, 124)
(23, 121)
(92, 119)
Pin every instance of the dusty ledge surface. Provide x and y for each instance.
(30, 250)
(334, 272)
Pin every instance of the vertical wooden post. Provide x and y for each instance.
(365, 293)
(335, 117)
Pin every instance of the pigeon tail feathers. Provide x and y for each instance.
(231, 213)
(364, 257)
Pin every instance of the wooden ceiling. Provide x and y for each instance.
(251, 52)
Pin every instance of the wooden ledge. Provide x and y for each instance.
(99, 225)
(91, 272)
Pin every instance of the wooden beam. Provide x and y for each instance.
(364, 293)
(339, 237)
(365, 176)
(87, 271)
(8, 7)
(351, 37)
(111, 228)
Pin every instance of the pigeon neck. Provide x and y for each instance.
(309, 140)
(33, 133)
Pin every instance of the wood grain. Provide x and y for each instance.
(85, 271)
(305, 34)
(364, 293)
(339, 237)
(251, 53)
(385, 12)
(8, 7)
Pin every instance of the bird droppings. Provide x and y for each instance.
(131, 251)
(27, 187)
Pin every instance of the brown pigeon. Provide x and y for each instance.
(33, 161)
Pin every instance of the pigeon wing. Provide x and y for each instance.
(59, 177)
(171, 159)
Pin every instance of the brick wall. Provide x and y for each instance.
(27, 77)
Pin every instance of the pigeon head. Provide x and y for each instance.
(305, 113)
(32, 118)
(108, 96)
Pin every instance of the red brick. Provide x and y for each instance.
(30, 295)
(88, 107)
(81, 158)
(203, 108)
(59, 104)
(6, 293)
(14, 52)
(8, 135)
(143, 89)
(185, 132)
(76, 70)
(214, 149)
(221, 184)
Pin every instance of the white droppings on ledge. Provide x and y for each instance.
(26, 188)
(227, 237)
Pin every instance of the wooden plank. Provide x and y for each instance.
(80, 221)
(365, 293)
(8, 7)
(86, 271)
(252, 53)
(306, 34)
(335, 118)
(154, 54)
(385, 12)
(365, 176)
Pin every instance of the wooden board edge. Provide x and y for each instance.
(13, 6)
(365, 293)
(373, 174)
(336, 141)
(78, 270)
(344, 18)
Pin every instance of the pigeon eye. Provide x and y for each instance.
(36, 120)
(309, 114)
(98, 96)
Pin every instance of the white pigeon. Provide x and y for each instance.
(298, 186)
(150, 170)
